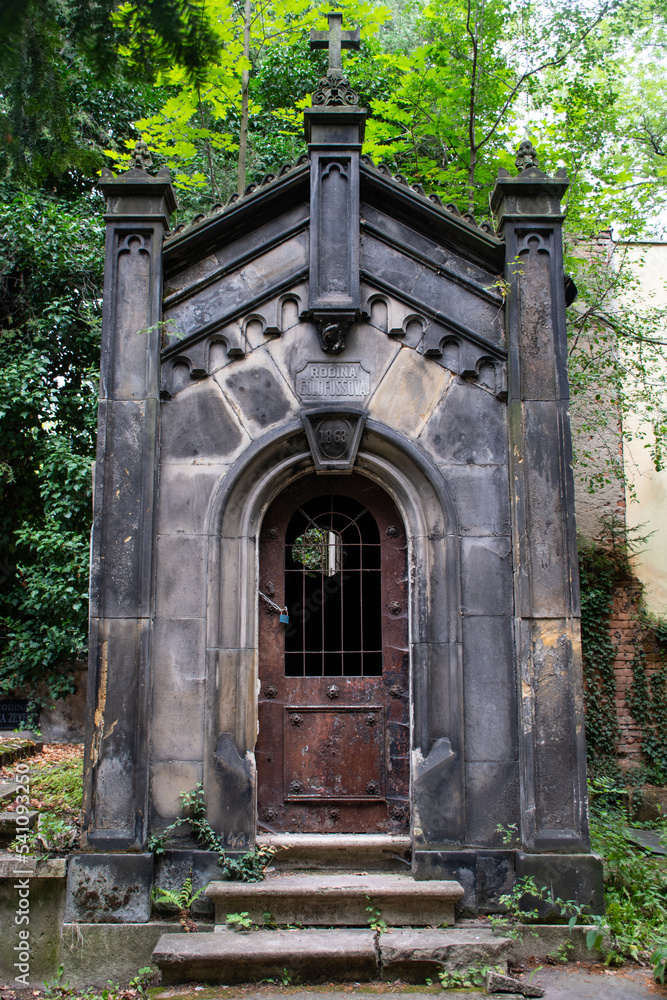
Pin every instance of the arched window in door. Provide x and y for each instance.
(333, 590)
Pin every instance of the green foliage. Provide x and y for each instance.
(659, 962)
(597, 574)
(647, 701)
(57, 989)
(248, 867)
(50, 298)
(635, 888)
(602, 566)
(375, 921)
(56, 790)
(523, 905)
(467, 979)
(240, 921)
(178, 899)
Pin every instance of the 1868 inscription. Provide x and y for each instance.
(342, 381)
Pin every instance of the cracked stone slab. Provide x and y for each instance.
(496, 983)
(415, 953)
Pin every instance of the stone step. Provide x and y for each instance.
(8, 790)
(349, 851)
(16, 748)
(337, 900)
(314, 954)
(8, 825)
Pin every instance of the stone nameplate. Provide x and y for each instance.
(342, 382)
(13, 712)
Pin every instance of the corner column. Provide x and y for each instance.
(122, 547)
(546, 582)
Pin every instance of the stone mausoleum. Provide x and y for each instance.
(334, 573)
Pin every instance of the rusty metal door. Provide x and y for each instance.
(333, 743)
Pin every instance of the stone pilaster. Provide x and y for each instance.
(334, 135)
(116, 776)
(546, 583)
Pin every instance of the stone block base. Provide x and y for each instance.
(487, 875)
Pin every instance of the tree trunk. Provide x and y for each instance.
(245, 80)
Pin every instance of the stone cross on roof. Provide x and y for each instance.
(335, 39)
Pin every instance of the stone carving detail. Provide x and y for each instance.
(198, 354)
(343, 382)
(526, 156)
(141, 156)
(333, 438)
(334, 91)
(333, 334)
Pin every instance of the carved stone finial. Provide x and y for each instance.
(141, 156)
(334, 91)
(526, 156)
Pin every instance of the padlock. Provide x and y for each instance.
(284, 617)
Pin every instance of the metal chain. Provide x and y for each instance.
(272, 603)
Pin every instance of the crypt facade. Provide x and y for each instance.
(334, 570)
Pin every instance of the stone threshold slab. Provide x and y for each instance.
(338, 900)
(315, 954)
(378, 852)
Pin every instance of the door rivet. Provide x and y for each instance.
(270, 691)
(332, 692)
(395, 608)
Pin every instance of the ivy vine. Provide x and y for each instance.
(602, 567)
(647, 701)
(598, 573)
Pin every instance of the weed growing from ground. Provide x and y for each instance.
(635, 889)
(467, 979)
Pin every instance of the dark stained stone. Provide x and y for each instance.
(199, 424)
(258, 393)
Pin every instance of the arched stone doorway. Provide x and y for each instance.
(333, 744)
(237, 516)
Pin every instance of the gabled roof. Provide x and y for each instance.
(277, 192)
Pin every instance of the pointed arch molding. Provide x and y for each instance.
(233, 525)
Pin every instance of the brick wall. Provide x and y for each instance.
(628, 636)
